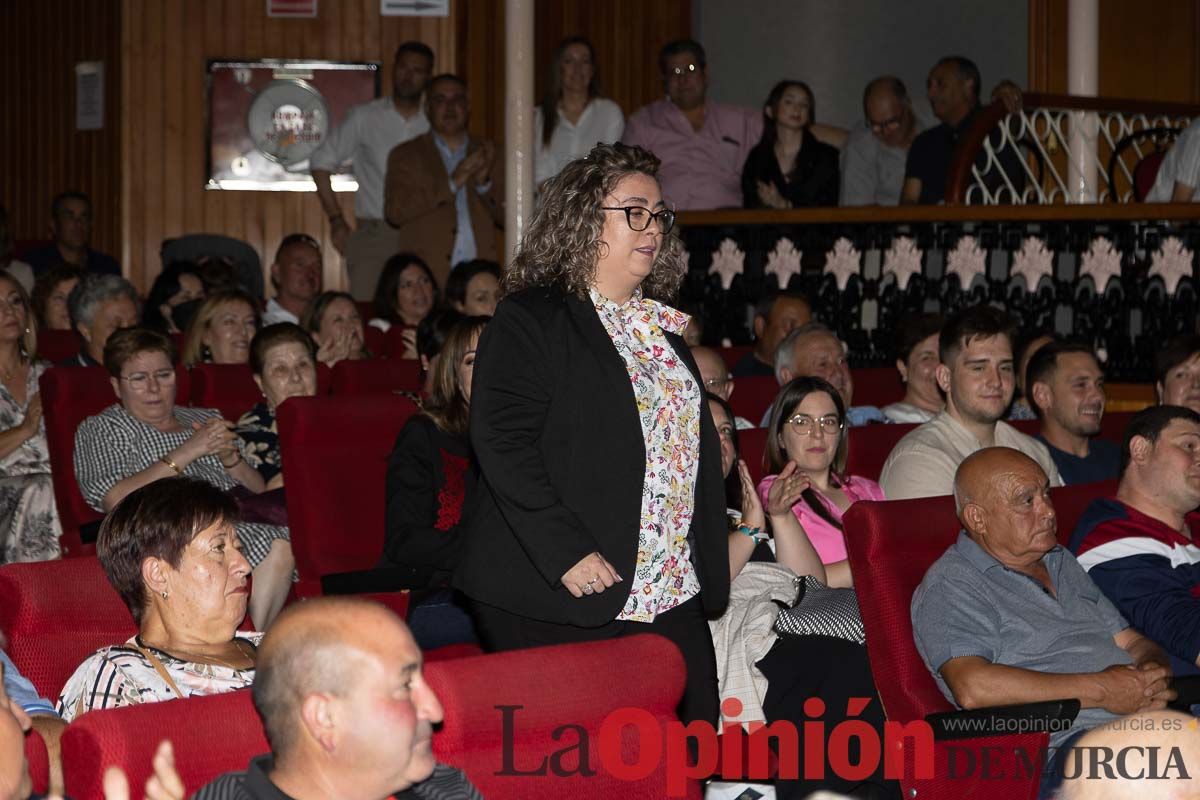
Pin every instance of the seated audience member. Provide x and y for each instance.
(474, 289)
(146, 437)
(50, 293)
(716, 377)
(771, 674)
(917, 360)
(171, 550)
(1066, 389)
(283, 359)
(429, 477)
(21, 271)
(179, 283)
(297, 277)
(1139, 740)
(1024, 347)
(405, 294)
(789, 167)
(1008, 616)
(1140, 547)
(573, 117)
(221, 331)
(954, 87)
(806, 445)
(444, 190)
(693, 334)
(71, 231)
(346, 710)
(1177, 372)
(29, 525)
(1179, 173)
(431, 337)
(99, 305)
(702, 145)
(776, 314)
(873, 161)
(335, 324)
(815, 351)
(976, 375)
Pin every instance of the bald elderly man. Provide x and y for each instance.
(1008, 616)
(346, 710)
(717, 379)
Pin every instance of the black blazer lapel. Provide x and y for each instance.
(621, 398)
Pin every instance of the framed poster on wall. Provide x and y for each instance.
(265, 118)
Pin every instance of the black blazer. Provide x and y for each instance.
(562, 458)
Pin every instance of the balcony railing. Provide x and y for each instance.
(1025, 157)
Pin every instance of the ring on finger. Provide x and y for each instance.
(587, 588)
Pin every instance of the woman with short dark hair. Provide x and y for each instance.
(473, 288)
(917, 360)
(283, 359)
(171, 550)
(334, 322)
(146, 437)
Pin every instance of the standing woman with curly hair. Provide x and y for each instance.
(604, 513)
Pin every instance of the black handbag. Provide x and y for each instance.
(822, 611)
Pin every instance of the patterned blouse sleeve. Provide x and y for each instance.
(97, 683)
(102, 448)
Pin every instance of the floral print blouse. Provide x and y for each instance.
(668, 401)
(261, 441)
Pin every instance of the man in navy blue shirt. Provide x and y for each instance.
(71, 227)
(1066, 391)
(1140, 547)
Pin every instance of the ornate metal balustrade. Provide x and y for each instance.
(1122, 277)
(1118, 135)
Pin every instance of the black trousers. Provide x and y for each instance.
(684, 625)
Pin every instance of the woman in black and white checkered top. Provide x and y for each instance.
(146, 437)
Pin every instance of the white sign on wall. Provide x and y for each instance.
(89, 96)
(414, 8)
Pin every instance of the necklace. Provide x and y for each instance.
(197, 658)
(7, 374)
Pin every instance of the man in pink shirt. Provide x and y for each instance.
(702, 145)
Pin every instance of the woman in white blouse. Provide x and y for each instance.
(573, 117)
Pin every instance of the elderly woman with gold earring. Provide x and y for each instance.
(29, 526)
(604, 513)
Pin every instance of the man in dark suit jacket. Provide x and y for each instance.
(71, 227)
(444, 190)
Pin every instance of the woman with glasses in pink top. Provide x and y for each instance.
(807, 448)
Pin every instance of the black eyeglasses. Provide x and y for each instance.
(640, 217)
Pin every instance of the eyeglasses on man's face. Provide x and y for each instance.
(804, 425)
(640, 217)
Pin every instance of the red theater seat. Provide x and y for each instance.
(1113, 425)
(877, 386)
(752, 444)
(335, 452)
(870, 446)
(230, 388)
(57, 346)
(69, 396)
(732, 355)
(545, 688)
(752, 396)
(57, 613)
(372, 376)
(377, 342)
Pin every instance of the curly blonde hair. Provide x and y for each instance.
(563, 242)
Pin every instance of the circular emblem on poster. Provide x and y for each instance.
(288, 120)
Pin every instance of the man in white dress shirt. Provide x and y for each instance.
(365, 138)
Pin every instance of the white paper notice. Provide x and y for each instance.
(89, 95)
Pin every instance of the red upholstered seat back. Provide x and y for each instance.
(891, 545)
(372, 376)
(57, 613)
(1113, 425)
(752, 444)
(69, 396)
(870, 446)
(211, 736)
(1145, 172)
(377, 342)
(56, 346)
(752, 396)
(230, 388)
(555, 686)
(1071, 501)
(732, 355)
(877, 386)
(335, 452)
